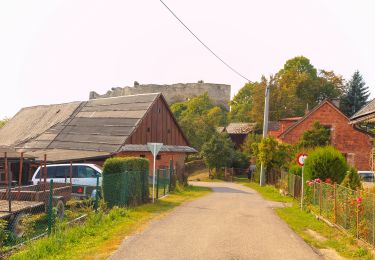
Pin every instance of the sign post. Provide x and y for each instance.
(301, 161)
(154, 148)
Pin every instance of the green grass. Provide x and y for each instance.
(301, 221)
(102, 233)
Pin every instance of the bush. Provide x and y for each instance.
(125, 181)
(296, 170)
(325, 162)
(4, 233)
(240, 160)
(352, 179)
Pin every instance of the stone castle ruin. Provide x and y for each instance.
(219, 93)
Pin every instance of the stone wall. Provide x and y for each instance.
(219, 93)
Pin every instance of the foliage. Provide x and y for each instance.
(240, 160)
(247, 146)
(125, 181)
(296, 86)
(4, 233)
(325, 162)
(272, 154)
(318, 135)
(356, 95)
(295, 169)
(241, 104)
(218, 151)
(352, 179)
(198, 118)
(3, 121)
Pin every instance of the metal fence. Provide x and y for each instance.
(350, 210)
(164, 182)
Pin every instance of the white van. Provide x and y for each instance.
(84, 177)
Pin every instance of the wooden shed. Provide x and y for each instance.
(94, 130)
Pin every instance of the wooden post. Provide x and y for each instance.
(335, 204)
(45, 172)
(358, 205)
(20, 174)
(71, 173)
(6, 167)
(40, 173)
(320, 198)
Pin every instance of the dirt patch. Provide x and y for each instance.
(315, 235)
(330, 254)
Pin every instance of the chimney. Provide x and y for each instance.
(336, 102)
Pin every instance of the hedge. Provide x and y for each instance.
(326, 162)
(125, 181)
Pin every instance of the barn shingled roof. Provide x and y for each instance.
(240, 128)
(93, 128)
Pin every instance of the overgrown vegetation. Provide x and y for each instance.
(103, 232)
(3, 121)
(318, 135)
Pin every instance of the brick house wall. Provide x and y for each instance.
(355, 144)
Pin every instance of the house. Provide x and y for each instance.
(365, 114)
(352, 141)
(275, 128)
(238, 132)
(94, 130)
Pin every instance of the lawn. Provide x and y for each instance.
(316, 233)
(102, 233)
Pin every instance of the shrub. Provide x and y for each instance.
(352, 179)
(4, 233)
(240, 160)
(125, 181)
(296, 170)
(325, 162)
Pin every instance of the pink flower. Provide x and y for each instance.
(310, 183)
(317, 180)
(328, 180)
(359, 201)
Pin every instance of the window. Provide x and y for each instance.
(83, 171)
(142, 155)
(158, 157)
(62, 171)
(148, 129)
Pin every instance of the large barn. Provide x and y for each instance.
(94, 130)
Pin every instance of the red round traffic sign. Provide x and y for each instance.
(301, 159)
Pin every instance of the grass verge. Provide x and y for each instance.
(102, 233)
(302, 222)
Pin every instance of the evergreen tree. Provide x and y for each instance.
(356, 95)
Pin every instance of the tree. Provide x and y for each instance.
(355, 96)
(218, 152)
(247, 146)
(272, 154)
(198, 118)
(325, 162)
(241, 104)
(352, 180)
(318, 135)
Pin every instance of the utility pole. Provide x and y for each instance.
(262, 178)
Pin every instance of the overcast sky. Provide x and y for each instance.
(58, 51)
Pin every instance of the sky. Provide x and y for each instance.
(55, 51)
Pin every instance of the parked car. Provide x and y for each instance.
(367, 176)
(84, 177)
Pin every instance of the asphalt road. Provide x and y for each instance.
(233, 222)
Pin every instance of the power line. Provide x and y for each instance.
(196, 37)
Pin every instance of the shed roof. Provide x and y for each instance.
(30, 122)
(240, 128)
(164, 148)
(365, 113)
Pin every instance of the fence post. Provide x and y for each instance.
(164, 179)
(335, 204)
(358, 205)
(96, 205)
(50, 207)
(10, 178)
(320, 198)
(170, 174)
(157, 184)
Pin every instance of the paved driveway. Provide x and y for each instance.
(233, 222)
